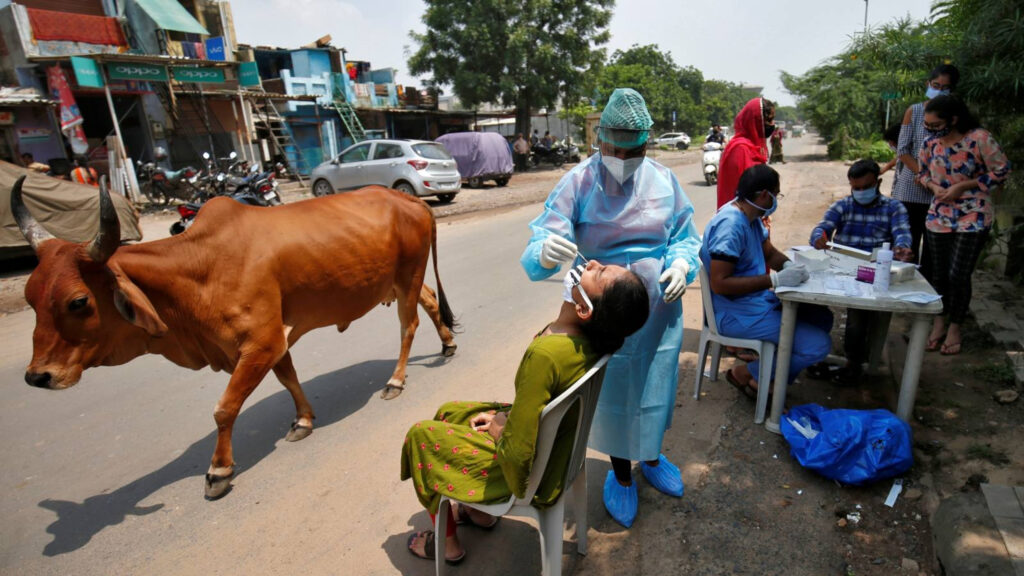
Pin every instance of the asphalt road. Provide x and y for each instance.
(106, 477)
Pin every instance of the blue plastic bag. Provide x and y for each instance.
(851, 446)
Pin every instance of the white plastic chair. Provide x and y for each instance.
(709, 335)
(583, 392)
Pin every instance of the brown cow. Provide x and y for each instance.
(234, 292)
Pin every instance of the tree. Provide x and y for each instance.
(526, 54)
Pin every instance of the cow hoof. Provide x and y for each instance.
(392, 390)
(217, 486)
(448, 350)
(298, 432)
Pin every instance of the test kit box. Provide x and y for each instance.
(849, 260)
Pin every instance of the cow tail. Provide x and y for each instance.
(446, 311)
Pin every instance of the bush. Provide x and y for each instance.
(876, 150)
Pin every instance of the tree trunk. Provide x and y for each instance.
(523, 114)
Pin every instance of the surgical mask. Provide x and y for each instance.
(767, 211)
(930, 92)
(865, 197)
(572, 280)
(768, 129)
(937, 133)
(621, 169)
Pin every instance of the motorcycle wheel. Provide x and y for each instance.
(558, 160)
(711, 179)
(177, 228)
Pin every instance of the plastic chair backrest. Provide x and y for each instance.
(584, 392)
(709, 307)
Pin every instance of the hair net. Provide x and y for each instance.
(625, 121)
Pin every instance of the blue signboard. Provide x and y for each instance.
(215, 48)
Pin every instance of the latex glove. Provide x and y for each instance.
(791, 276)
(556, 250)
(675, 275)
(787, 264)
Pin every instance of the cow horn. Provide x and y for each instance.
(30, 229)
(109, 236)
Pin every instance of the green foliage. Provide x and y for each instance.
(525, 54)
(577, 114)
(788, 114)
(873, 148)
(668, 87)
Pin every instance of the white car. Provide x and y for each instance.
(677, 140)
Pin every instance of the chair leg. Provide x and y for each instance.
(716, 356)
(579, 508)
(440, 529)
(702, 358)
(551, 525)
(764, 381)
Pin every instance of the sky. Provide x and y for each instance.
(742, 41)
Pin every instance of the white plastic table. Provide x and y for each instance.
(814, 292)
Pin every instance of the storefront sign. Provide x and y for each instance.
(137, 71)
(6, 117)
(34, 134)
(248, 74)
(208, 75)
(87, 72)
(215, 48)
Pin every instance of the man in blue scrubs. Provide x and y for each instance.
(736, 252)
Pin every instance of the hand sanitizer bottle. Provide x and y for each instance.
(883, 269)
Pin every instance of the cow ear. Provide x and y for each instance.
(135, 307)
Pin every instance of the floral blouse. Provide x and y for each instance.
(976, 155)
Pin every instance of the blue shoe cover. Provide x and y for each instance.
(620, 501)
(665, 476)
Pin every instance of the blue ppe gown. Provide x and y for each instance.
(644, 224)
(732, 237)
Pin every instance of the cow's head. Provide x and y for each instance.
(88, 313)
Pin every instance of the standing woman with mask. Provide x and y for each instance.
(749, 146)
(905, 187)
(623, 208)
(960, 164)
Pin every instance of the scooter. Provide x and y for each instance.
(712, 154)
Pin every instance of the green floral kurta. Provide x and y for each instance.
(446, 456)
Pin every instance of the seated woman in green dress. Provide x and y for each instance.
(482, 452)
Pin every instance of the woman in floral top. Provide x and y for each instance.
(482, 452)
(960, 164)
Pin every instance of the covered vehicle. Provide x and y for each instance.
(67, 210)
(480, 156)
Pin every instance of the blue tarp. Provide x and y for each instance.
(479, 154)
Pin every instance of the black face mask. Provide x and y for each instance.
(768, 129)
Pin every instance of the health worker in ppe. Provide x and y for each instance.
(736, 252)
(623, 208)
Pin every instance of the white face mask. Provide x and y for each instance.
(621, 169)
(572, 280)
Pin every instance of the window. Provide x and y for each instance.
(432, 151)
(384, 151)
(357, 154)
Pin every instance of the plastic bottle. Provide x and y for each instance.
(883, 268)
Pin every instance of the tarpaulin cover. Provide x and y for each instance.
(479, 154)
(851, 446)
(170, 15)
(67, 210)
(69, 27)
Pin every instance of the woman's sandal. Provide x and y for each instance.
(463, 516)
(428, 548)
(934, 345)
(748, 390)
(951, 349)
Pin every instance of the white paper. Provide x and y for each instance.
(894, 492)
(916, 297)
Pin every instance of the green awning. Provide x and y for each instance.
(170, 15)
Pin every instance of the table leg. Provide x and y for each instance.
(912, 367)
(782, 354)
(876, 338)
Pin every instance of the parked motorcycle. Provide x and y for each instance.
(712, 154)
(254, 189)
(159, 184)
(555, 155)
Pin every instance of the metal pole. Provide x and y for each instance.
(887, 102)
(129, 170)
(865, 16)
